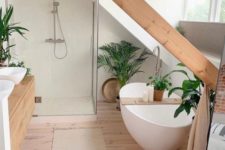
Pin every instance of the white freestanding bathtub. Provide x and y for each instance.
(153, 126)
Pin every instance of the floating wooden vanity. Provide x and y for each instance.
(21, 107)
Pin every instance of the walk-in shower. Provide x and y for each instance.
(65, 30)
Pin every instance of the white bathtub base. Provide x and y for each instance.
(153, 137)
(154, 126)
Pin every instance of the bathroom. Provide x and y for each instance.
(61, 48)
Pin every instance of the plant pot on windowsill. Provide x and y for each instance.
(158, 95)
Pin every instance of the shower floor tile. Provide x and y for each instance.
(65, 107)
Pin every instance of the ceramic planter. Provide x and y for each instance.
(158, 95)
(2, 64)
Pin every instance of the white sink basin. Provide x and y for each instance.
(15, 74)
(6, 88)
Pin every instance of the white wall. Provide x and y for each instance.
(198, 34)
(2, 4)
(67, 78)
(111, 30)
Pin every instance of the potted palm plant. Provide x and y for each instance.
(122, 59)
(6, 30)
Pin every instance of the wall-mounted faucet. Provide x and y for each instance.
(158, 60)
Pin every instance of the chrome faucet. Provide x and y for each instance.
(158, 61)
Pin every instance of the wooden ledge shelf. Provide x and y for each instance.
(21, 107)
(140, 101)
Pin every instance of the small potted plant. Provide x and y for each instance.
(160, 84)
(6, 30)
(123, 60)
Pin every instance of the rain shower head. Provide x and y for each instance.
(56, 4)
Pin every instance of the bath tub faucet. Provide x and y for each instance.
(158, 60)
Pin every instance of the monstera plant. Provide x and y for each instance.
(7, 29)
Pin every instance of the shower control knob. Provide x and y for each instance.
(49, 40)
(55, 41)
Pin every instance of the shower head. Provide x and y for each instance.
(56, 4)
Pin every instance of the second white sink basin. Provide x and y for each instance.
(6, 88)
(15, 74)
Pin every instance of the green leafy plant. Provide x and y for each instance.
(163, 82)
(20, 64)
(6, 30)
(191, 93)
(122, 60)
(160, 82)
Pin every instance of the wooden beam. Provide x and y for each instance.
(172, 40)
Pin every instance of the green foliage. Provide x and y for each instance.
(191, 93)
(163, 82)
(6, 30)
(122, 60)
(20, 64)
(160, 82)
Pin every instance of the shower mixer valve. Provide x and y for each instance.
(55, 3)
(54, 41)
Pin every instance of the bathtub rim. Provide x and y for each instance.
(152, 122)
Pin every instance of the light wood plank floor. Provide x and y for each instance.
(109, 120)
(116, 136)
